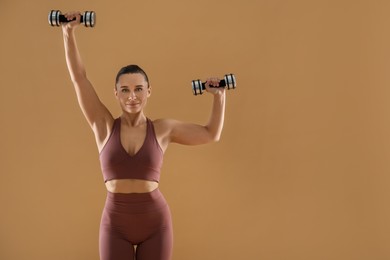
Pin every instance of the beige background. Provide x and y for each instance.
(301, 172)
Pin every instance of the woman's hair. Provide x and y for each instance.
(131, 69)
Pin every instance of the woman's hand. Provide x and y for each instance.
(73, 24)
(212, 86)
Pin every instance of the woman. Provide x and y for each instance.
(131, 148)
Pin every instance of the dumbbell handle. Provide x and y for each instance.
(63, 19)
(222, 84)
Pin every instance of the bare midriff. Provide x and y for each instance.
(130, 186)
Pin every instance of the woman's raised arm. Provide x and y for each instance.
(97, 115)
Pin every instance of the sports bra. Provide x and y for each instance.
(146, 164)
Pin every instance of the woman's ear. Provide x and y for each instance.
(115, 92)
(149, 90)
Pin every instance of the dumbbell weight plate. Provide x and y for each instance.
(53, 17)
(88, 18)
(197, 87)
(230, 81)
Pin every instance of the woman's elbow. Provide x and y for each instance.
(215, 138)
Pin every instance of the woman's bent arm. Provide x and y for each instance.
(194, 134)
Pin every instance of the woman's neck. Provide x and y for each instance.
(133, 119)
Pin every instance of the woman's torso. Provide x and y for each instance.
(132, 139)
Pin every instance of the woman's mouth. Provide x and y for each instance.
(132, 104)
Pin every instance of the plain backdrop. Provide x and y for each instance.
(302, 169)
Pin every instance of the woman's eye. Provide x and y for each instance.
(138, 89)
(124, 90)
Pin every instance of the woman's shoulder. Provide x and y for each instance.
(163, 124)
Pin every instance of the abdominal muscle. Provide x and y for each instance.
(130, 186)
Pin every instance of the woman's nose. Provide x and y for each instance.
(132, 95)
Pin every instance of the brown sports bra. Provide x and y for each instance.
(146, 164)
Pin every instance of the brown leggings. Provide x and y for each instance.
(141, 219)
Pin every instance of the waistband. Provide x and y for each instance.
(135, 197)
(130, 203)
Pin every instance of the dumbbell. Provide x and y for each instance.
(229, 81)
(56, 18)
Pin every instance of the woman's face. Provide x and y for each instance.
(132, 92)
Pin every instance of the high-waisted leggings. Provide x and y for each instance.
(136, 219)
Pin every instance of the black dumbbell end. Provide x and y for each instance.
(53, 17)
(88, 18)
(197, 87)
(229, 81)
